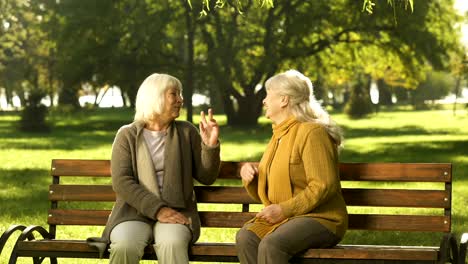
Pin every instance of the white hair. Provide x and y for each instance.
(150, 98)
(302, 102)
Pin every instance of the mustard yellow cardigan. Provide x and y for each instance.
(314, 178)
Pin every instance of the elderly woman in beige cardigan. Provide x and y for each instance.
(297, 178)
(154, 161)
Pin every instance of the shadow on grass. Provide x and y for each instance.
(391, 132)
(426, 151)
(260, 134)
(74, 135)
(24, 192)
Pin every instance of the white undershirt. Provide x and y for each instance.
(155, 140)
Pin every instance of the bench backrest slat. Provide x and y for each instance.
(209, 194)
(435, 197)
(65, 167)
(236, 219)
(406, 172)
(424, 172)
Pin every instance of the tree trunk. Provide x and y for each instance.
(189, 63)
(124, 99)
(246, 111)
(69, 95)
(385, 94)
(9, 97)
(132, 92)
(456, 92)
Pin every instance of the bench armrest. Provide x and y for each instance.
(6, 235)
(462, 250)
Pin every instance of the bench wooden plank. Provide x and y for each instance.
(99, 218)
(65, 248)
(424, 172)
(406, 172)
(374, 252)
(225, 194)
(237, 219)
(64, 167)
(101, 168)
(397, 198)
(97, 193)
(423, 223)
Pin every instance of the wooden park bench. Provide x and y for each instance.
(357, 192)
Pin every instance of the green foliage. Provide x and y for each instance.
(25, 49)
(34, 114)
(368, 5)
(227, 54)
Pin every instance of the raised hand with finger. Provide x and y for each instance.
(209, 129)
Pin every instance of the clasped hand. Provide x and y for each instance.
(272, 213)
(171, 216)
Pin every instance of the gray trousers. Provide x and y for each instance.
(287, 240)
(129, 239)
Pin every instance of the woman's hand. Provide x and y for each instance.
(171, 216)
(272, 214)
(248, 172)
(209, 129)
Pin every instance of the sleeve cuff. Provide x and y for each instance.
(286, 209)
(208, 147)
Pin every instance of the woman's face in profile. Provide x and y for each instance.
(173, 103)
(272, 104)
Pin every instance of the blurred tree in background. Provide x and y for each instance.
(33, 116)
(435, 86)
(63, 46)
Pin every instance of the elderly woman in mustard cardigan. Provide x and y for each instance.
(154, 161)
(297, 178)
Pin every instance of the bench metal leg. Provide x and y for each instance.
(462, 250)
(449, 249)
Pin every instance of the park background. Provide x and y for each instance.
(393, 75)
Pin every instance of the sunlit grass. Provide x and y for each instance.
(400, 136)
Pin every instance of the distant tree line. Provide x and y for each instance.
(56, 47)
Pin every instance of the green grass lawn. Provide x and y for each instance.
(396, 136)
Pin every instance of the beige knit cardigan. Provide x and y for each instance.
(186, 158)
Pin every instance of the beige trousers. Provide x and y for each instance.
(129, 239)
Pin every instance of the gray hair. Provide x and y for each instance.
(303, 105)
(150, 98)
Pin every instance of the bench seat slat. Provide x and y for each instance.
(69, 248)
(375, 252)
(225, 194)
(237, 219)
